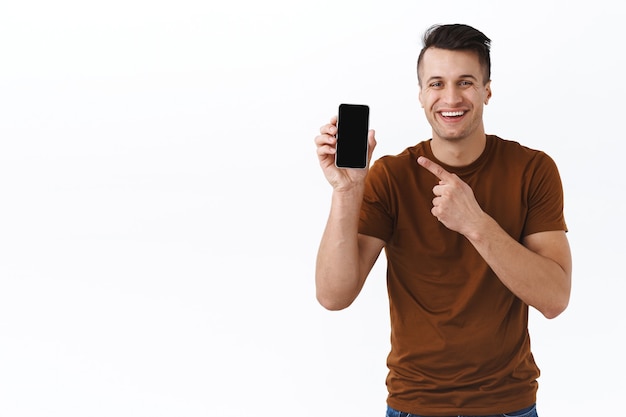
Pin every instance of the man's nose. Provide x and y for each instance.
(452, 95)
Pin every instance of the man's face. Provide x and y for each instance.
(453, 93)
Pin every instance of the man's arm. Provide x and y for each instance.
(538, 270)
(345, 257)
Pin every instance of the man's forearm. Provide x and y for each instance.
(537, 279)
(337, 275)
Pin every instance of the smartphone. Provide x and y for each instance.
(352, 127)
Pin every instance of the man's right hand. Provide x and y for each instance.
(340, 178)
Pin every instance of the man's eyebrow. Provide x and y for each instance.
(434, 78)
(464, 76)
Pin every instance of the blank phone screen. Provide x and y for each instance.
(352, 126)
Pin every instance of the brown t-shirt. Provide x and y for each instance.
(459, 337)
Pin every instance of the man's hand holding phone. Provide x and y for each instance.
(345, 164)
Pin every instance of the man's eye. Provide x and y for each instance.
(436, 85)
(465, 83)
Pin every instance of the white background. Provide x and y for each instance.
(161, 201)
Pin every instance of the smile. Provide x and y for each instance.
(452, 113)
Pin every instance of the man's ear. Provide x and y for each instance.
(419, 96)
(488, 91)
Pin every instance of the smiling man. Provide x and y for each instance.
(474, 233)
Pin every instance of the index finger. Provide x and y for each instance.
(330, 128)
(434, 168)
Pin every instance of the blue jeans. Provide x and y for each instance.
(525, 412)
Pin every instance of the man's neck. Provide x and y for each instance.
(459, 152)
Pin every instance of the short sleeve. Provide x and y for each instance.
(545, 197)
(376, 218)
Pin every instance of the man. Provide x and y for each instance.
(474, 233)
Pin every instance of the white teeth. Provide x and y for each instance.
(452, 113)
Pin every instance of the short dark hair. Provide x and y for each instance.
(458, 37)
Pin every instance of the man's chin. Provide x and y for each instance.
(452, 137)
